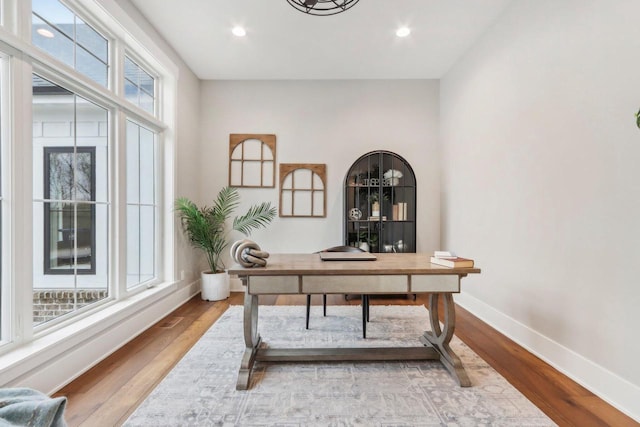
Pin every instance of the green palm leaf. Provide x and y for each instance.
(226, 202)
(257, 216)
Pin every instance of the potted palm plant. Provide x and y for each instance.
(206, 229)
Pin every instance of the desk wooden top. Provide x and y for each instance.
(311, 264)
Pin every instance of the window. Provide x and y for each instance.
(141, 204)
(85, 218)
(69, 228)
(70, 213)
(139, 86)
(61, 33)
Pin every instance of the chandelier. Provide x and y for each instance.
(322, 7)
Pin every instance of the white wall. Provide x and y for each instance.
(541, 185)
(332, 122)
(187, 154)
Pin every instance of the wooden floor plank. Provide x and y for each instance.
(108, 393)
(121, 405)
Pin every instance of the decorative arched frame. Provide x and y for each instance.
(303, 190)
(252, 160)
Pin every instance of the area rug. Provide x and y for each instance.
(200, 390)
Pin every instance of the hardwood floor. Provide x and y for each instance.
(108, 393)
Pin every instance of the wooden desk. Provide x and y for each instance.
(391, 273)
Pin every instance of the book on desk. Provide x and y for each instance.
(449, 259)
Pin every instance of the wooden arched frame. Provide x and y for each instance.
(303, 190)
(252, 160)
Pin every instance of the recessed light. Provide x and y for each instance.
(403, 32)
(45, 33)
(239, 31)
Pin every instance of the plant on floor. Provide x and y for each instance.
(638, 119)
(206, 227)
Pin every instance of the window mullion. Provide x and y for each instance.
(140, 205)
(74, 197)
(117, 181)
(20, 198)
(75, 47)
(6, 300)
(119, 208)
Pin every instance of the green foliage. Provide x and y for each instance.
(205, 226)
(638, 119)
(371, 238)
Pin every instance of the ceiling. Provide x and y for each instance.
(283, 43)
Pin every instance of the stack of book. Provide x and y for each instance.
(449, 259)
(400, 212)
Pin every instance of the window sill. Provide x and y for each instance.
(17, 363)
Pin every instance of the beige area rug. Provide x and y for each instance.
(200, 390)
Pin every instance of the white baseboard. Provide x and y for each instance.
(49, 366)
(613, 389)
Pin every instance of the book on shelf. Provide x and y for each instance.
(399, 212)
(452, 262)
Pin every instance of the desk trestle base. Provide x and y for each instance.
(436, 346)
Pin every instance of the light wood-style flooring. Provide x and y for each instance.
(108, 393)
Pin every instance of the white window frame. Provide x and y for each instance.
(158, 214)
(79, 10)
(43, 71)
(6, 294)
(148, 69)
(26, 59)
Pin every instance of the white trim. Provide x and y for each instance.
(9, 13)
(235, 284)
(167, 154)
(6, 117)
(55, 359)
(119, 208)
(611, 388)
(21, 196)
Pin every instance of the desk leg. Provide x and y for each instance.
(440, 339)
(251, 340)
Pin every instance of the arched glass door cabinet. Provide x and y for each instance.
(380, 204)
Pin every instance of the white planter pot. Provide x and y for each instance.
(215, 286)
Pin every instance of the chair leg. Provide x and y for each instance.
(364, 316)
(308, 309)
(324, 304)
(367, 308)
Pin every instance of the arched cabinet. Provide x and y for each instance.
(380, 203)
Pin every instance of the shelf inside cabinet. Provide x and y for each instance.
(380, 184)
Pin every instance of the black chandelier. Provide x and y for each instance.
(322, 7)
